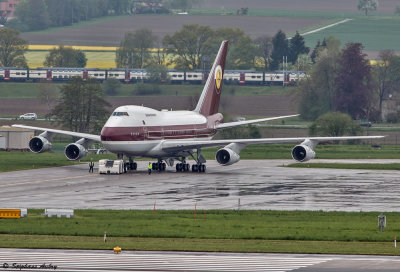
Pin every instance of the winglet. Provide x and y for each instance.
(209, 100)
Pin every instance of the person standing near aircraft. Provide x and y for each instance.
(91, 165)
(149, 168)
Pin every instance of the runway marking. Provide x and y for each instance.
(45, 180)
(158, 261)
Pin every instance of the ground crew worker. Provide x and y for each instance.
(91, 165)
(149, 168)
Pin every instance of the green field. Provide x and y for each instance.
(374, 32)
(211, 230)
(370, 166)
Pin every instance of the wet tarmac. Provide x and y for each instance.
(249, 184)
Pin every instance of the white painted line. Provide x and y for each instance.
(325, 27)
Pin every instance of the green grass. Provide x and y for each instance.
(210, 245)
(374, 32)
(12, 161)
(371, 166)
(275, 13)
(223, 230)
(31, 90)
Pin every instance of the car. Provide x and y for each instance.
(30, 116)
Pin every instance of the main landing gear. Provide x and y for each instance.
(185, 167)
(182, 167)
(158, 166)
(201, 168)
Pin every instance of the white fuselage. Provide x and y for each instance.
(139, 131)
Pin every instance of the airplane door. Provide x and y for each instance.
(145, 133)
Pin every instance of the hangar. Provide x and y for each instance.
(14, 138)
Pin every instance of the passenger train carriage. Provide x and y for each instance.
(248, 77)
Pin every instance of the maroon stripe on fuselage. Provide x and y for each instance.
(156, 132)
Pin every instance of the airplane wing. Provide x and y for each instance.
(248, 122)
(176, 145)
(65, 132)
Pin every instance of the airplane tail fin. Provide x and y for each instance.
(209, 100)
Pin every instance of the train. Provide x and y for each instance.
(240, 77)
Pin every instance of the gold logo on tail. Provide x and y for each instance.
(218, 78)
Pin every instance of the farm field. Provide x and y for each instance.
(110, 33)
(375, 33)
(337, 6)
(96, 59)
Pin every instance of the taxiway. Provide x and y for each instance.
(249, 184)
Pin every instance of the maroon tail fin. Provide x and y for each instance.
(209, 100)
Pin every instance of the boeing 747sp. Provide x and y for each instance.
(168, 136)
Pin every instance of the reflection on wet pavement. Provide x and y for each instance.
(268, 186)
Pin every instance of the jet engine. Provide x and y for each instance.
(226, 156)
(75, 151)
(303, 153)
(39, 144)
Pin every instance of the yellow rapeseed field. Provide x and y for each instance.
(101, 57)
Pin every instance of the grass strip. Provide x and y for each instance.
(12, 161)
(206, 245)
(369, 166)
(211, 224)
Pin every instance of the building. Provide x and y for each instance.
(15, 138)
(8, 7)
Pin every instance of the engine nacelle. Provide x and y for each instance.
(226, 156)
(75, 152)
(39, 144)
(303, 153)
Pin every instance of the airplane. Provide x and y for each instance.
(169, 136)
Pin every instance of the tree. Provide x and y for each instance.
(314, 53)
(65, 57)
(242, 50)
(157, 73)
(367, 5)
(184, 5)
(397, 10)
(134, 49)
(334, 124)
(297, 47)
(111, 86)
(47, 95)
(12, 48)
(264, 44)
(189, 45)
(387, 74)
(354, 82)
(280, 49)
(317, 91)
(82, 107)
(32, 14)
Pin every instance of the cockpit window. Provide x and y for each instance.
(120, 113)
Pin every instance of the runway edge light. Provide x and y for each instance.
(117, 250)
